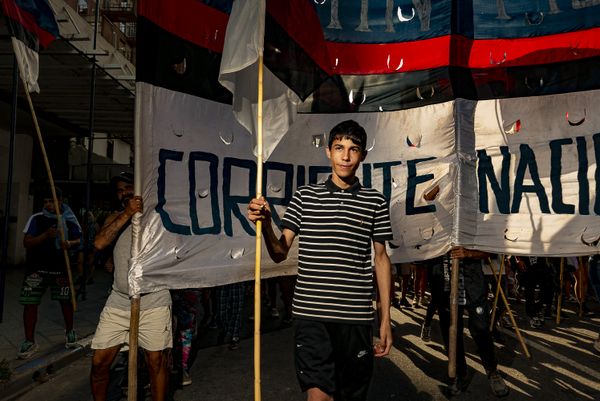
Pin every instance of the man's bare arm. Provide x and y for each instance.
(115, 222)
(459, 252)
(110, 230)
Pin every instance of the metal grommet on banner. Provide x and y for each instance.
(534, 18)
(494, 62)
(236, 253)
(357, 98)
(533, 83)
(415, 142)
(509, 239)
(423, 96)
(592, 243)
(389, 58)
(181, 67)
(402, 18)
(318, 141)
(515, 128)
(578, 122)
(427, 233)
(273, 188)
(225, 140)
(177, 132)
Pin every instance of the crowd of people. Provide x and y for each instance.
(342, 262)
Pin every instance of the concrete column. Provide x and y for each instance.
(21, 202)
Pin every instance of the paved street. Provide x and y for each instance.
(563, 367)
(50, 331)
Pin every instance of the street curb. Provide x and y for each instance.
(39, 370)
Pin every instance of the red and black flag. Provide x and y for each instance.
(380, 55)
(32, 26)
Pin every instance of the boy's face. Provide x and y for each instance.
(49, 204)
(345, 157)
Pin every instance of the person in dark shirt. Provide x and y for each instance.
(472, 297)
(46, 268)
(537, 274)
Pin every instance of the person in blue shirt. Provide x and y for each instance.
(46, 268)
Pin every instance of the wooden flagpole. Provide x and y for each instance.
(508, 310)
(498, 289)
(452, 337)
(581, 285)
(259, 173)
(63, 235)
(134, 318)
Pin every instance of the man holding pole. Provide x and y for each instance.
(46, 267)
(472, 296)
(337, 223)
(112, 333)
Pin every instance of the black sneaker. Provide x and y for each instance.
(499, 387)
(404, 303)
(186, 379)
(235, 343)
(536, 322)
(458, 385)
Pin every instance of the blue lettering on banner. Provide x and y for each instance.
(214, 197)
(387, 177)
(527, 163)
(411, 188)
(233, 206)
(230, 202)
(501, 188)
(584, 185)
(558, 205)
(288, 169)
(163, 156)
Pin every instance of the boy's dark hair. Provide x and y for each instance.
(349, 129)
(47, 193)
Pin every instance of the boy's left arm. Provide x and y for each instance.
(383, 274)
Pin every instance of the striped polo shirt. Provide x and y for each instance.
(335, 229)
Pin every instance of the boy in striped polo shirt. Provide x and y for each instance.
(337, 222)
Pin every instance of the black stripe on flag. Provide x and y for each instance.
(289, 62)
(388, 92)
(19, 32)
(170, 62)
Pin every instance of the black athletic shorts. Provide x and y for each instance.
(337, 358)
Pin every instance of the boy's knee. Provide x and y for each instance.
(156, 359)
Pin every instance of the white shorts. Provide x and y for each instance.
(155, 332)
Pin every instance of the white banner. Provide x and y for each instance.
(199, 174)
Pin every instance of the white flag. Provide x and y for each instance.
(244, 43)
(29, 64)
